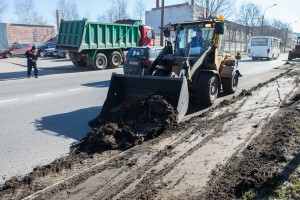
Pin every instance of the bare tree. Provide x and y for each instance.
(118, 11)
(280, 30)
(277, 23)
(3, 7)
(206, 9)
(108, 17)
(27, 13)
(249, 15)
(139, 9)
(67, 10)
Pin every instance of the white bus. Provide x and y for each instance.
(264, 47)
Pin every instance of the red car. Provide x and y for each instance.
(15, 49)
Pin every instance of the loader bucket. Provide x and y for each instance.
(128, 89)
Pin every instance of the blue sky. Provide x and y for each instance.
(285, 10)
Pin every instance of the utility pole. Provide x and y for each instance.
(57, 22)
(286, 33)
(262, 18)
(162, 23)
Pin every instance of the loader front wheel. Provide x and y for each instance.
(230, 84)
(207, 89)
(100, 62)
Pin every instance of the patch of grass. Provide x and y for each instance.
(250, 194)
(280, 194)
(283, 164)
(290, 190)
(297, 127)
(295, 192)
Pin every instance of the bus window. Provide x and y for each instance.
(259, 42)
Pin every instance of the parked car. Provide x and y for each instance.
(44, 46)
(49, 52)
(15, 50)
(138, 58)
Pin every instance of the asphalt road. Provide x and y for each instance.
(40, 118)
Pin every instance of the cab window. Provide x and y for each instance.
(149, 34)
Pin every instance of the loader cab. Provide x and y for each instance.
(192, 41)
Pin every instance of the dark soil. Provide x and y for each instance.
(129, 126)
(259, 168)
(256, 169)
(119, 130)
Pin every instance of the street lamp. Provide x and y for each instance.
(286, 32)
(262, 19)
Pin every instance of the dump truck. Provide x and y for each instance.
(182, 70)
(98, 45)
(295, 52)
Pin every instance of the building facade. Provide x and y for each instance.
(17, 33)
(236, 40)
(172, 14)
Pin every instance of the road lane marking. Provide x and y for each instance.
(39, 95)
(70, 90)
(8, 100)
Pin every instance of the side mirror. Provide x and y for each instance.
(143, 61)
(238, 56)
(47, 47)
(167, 32)
(153, 34)
(219, 28)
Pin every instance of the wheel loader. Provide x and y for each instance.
(295, 52)
(182, 70)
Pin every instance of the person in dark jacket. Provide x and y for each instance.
(32, 57)
(198, 40)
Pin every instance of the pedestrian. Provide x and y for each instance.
(32, 57)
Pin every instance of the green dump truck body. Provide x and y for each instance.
(81, 35)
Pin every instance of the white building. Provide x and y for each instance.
(235, 40)
(172, 14)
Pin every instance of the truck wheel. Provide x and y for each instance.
(207, 89)
(100, 62)
(230, 84)
(81, 63)
(115, 59)
(290, 57)
(75, 63)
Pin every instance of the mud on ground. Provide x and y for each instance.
(131, 125)
(265, 164)
(204, 158)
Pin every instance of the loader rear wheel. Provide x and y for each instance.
(207, 89)
(230, 84)
(100, 62)
(115, 59)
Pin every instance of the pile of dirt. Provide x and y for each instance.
(266, 162)
(130, 126)
(120, 130)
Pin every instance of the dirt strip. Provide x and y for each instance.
(184, 161)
